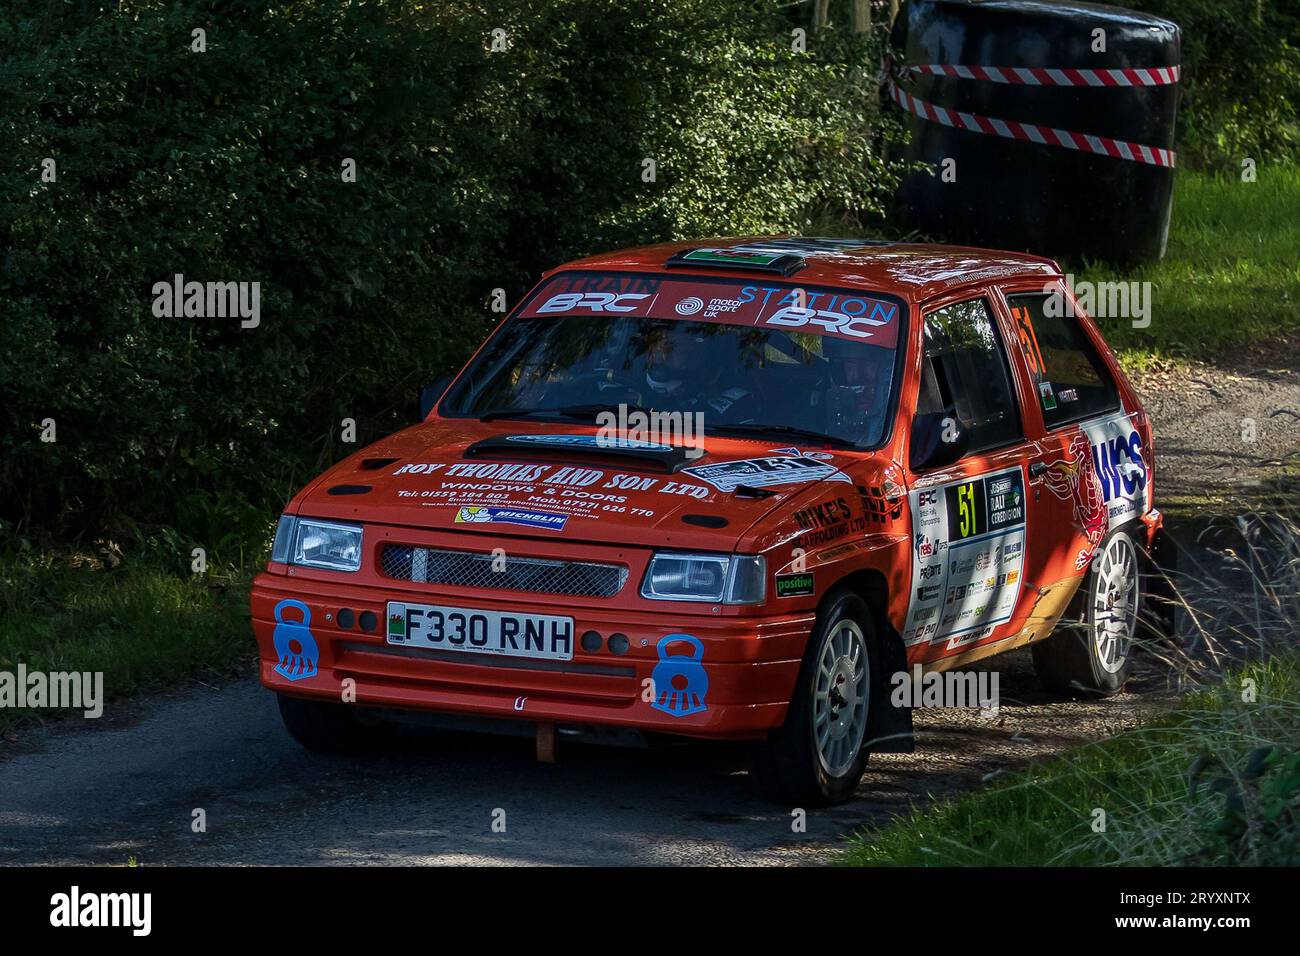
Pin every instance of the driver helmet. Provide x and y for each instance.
(858, 367)
(680, 359)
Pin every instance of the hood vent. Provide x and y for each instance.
(669, 458)
(706, 521)
(350, 489)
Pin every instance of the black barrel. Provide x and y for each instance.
(1041, 198)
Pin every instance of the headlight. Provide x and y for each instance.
(718, 578)
(317, 544)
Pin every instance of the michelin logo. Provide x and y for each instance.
(528, 519)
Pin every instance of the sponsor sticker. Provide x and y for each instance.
(1102, 473)
(761, 472)
(968, 553)
(728, 257)
(820, 455)
(820, 310)
(528, 519)
(679, 681)
(595, 302)
(295, 646)
(798, 584)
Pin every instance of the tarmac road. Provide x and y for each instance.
(127, 786)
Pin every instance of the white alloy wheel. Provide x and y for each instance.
(841, 695)
(1114, 599)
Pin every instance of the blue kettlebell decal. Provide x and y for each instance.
(294, 645)
(680, 682)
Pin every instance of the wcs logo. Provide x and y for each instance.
(1119, 466)
(593, 301)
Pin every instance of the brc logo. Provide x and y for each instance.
(594, 301)
(795, 317)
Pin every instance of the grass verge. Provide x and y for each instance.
(1216, 782)
(1231, 277)
(139, 624)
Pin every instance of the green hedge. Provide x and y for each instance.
(476, 170)
(1240, 79)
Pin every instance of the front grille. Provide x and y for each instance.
(472, 569)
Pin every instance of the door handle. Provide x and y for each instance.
(1037, 469)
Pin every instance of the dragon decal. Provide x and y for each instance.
(1074, 479)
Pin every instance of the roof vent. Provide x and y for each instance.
(745, 260)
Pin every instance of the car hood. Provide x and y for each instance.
(525, 479)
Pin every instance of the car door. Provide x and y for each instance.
(971, 520)
(1096, 466)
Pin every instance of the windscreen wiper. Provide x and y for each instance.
(789, 431)
(492, 414)
(596, 409)
(579, 412)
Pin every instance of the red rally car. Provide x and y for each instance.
(728, 490)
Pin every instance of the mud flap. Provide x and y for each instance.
(1160, 611)
(546, 743)
(891, 727)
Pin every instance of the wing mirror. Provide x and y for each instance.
(938, 439)
(430, 394)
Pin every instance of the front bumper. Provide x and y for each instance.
(750, 663)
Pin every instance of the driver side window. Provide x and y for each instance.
(965, 367)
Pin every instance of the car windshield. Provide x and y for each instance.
(751, 358)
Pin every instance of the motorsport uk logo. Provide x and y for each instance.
(77, 909)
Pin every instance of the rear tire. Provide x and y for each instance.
(1094, 654)
(330, 728)
(817, 756)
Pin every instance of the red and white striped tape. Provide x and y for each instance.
(1028, 132)
(1039, 76)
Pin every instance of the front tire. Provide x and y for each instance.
(330, 728)
(1095, 654)
(817, 756)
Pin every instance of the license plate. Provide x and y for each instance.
(481, 632)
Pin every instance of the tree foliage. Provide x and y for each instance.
(476, 169)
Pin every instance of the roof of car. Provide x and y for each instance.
(916, 271)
